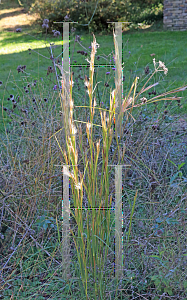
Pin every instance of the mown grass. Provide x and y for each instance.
(137, 49)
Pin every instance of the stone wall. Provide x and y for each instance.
(175, 14)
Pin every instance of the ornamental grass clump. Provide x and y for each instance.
(90, 244)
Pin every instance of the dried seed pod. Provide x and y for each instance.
(144, 100)
(19, 69)
(49, 69)
(73, 29)
(56, 33)
(45, 26)
(66, 18)
(146, 70)
(45, 21)
(155, 127)
(77, 38)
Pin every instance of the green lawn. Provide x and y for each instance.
(169, 47)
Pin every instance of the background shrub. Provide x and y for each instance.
(82, 12)
(26, 4)
(147, 15)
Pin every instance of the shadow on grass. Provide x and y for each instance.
(13, 13)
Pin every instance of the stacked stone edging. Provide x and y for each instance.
(175, 14)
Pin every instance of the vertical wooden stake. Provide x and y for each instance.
(66, 69)
(66, 223)
(118, 222)
(118, 77)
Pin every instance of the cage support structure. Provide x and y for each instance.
(118, 168)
